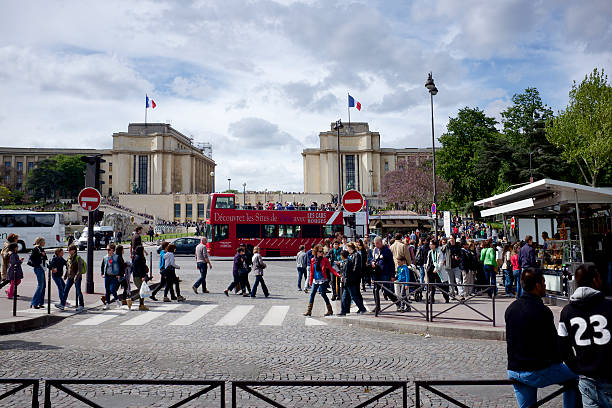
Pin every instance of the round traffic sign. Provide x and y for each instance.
(89, 199)
(352, 201)
(433, 209)
(512, 223)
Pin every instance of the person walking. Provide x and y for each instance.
(300, 261)
(309, 256)
(507, 268)
(136, 241)
(321, 270)
(435, 271)
(170, 268)
(351, 276)
(75, 268)
(516, 270)
(163, 282)
(123, 280)
(139, 274)
(403, 275)
(14, 273)
(534, 360)
(37, 260)
(399, 250)
(334, 259)
(258, 268)
(110, 270)
(526, 255)
(487, 257)
(56, 268)
(239, 268)
(467, 268)
(5, 254)
(420, 258)
(384, 270)
(203, 263)
(585, 338)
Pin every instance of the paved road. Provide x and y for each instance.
(215, 337)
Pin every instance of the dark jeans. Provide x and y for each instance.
(171, 279)
(57, 278)
(351, 292)
(444, 287)
(259, 279)
(390, 293)
(301, 273)
(517, 279)
(489, 271)
(244, 283)
(203, 268)
(77, 287)
(508, 281)
(235, 283)
(162, 284)
(111, 283)
(322, 288)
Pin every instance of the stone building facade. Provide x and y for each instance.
(151, 158)
(363, 162)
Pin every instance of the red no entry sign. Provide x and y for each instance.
(89, 199)
(512, 223)
(352, 201)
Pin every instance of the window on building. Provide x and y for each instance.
(20, 167)
(143, 167)
(188, 212)
(269, 231)
(248, 231)
(311, 231)
(110, 167)
(386, 167)
(7, 164)
(349, 161)
(220, 232)
(177, 210)
(30, 166)
(200, 210)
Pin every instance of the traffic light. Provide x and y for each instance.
(92, 175)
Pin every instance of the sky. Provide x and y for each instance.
(260, 79)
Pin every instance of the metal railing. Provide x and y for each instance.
(60, 384)
(22, 384)
(246, 387)
(429, 386)
(414, 289)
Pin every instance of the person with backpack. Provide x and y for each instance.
(258, 267)
(163, 281)
(170, 268)
(487, 257)
(239, 268)
(14, 273)
(75, 268)
(37, 260)
(321, 269)
(56, 267)
(110, 270)
(351, 275)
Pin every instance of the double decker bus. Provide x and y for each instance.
(275, 232)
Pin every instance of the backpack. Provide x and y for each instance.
(84, 265)
(418, 259)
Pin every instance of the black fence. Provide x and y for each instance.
(21, 383)
(246, 386)
(60, 384)
(417, 294)
(429, 386)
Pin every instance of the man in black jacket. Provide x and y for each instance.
(534, 360)
(584, 334)
(350, 276)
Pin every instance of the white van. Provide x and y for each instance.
(103, 235)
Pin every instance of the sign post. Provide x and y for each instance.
(90, 199)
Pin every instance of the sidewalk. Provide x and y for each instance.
(456, 321)
(28, 319)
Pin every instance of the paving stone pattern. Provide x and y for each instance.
(246, 350)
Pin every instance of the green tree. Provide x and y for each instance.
(462, 151)
(583, 131)
(63, 175)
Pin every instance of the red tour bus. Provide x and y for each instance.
(275, 232)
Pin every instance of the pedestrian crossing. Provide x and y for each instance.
(220, 315)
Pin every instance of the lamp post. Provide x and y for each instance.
(371, 181)
(431, 87)
(229, 184)
(538, 150)
(265, 196)
(244, 194)
(337, 127)
(212, 176)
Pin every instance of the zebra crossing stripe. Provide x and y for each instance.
(149, 316)
(275, 316)
(101, 318)
(234, 316)
(314, 322)
(193, 316)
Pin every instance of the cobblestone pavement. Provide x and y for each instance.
(216, 337)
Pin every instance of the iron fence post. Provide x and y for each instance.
(48, 291)
(417, 399)
(405, 395)
(35, 394)
(47, 394)
(14, 295)
(233, 395)
(493, 303)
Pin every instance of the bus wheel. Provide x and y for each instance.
(21, 247)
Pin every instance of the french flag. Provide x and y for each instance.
(352, 103)
(150, 103)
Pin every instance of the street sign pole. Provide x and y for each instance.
(90, 253)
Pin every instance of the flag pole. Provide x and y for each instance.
(349, 114)
(146, 107)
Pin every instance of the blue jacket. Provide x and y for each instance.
(161, 260)
(114, 263)
(403, 274)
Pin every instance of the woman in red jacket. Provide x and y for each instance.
(321, 271)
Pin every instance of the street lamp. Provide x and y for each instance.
(244, 194)
(431, 87)
(371, 181)
(538, 150)
(265, 196)
(212, 176)
(229, 184)
(337, 127)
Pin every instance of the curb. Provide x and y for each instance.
(413, 327)
(39, 322)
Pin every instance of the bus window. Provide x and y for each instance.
(247, 231)
(17, 220)
(224, 202)
(311, 231)
(208, 232)
(220, 232)
(208, 204)
(330, 230)
(288, 231)
(41, 220)
(269, 231)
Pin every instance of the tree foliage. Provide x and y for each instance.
(583, 131)
(60, 175)
(410, 186)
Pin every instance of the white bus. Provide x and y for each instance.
(31, 224)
